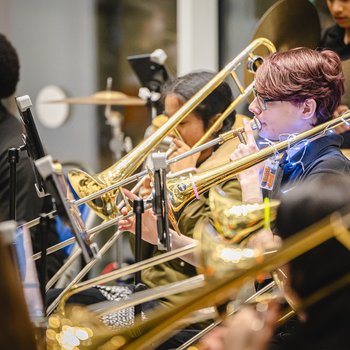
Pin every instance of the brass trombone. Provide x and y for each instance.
(224, 137)
(149, 333)
(100, 191)
(181, 189)
(105, 205)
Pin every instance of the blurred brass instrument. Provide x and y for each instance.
(105, 205)
(248, 217)
(231, 217)
(152, 332)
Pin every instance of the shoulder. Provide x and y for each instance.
(331, 162)
(334, 32)
(11, 133)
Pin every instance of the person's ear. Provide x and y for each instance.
(309, 108)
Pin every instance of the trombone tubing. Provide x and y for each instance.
(220, 290)
(224, 172)
(84, 271)
(123, 272)
(91, 233)
(219, 140)
(218, 174)
(198, 97)
(201, 147)
(216, 323)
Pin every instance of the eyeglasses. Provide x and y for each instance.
(262, 102)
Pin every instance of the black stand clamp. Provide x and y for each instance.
(159, 203)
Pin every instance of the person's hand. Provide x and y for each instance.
(249, 178)
(249, 329)
(265, 240)
(188, 162)
(149, 222)
(146, 188)
(338, 112)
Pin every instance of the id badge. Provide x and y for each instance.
(269, 174)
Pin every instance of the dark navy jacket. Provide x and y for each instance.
(322, 156)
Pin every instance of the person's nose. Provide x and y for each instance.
(336, 7)
(254, 107)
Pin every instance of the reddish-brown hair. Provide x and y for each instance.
(303, 73)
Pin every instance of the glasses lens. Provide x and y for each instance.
(261, 101)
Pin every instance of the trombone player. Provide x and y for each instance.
(191, 129)
(294, 91)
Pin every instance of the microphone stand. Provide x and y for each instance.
(138, 285)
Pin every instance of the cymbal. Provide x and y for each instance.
(114, 98)
(346, 70)
(288, 24)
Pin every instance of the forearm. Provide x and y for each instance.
(250, 184)
(180, 241)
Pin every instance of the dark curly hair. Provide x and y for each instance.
(186, 86)
(9, 68)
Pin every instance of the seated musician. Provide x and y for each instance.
(295, 90)
(324, 320)
(191, 129)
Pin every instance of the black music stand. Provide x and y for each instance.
(152, 73)
(35, 150)
(49, 182)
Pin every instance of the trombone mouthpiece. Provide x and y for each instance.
(255, 124)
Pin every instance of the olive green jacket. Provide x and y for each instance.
(191, 215)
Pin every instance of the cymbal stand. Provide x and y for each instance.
(119, 143)
(138, 210)
(13, 159)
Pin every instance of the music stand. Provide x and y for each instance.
(48, 182)
(152, 73)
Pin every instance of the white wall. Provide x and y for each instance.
(56, 44)
(197, 35)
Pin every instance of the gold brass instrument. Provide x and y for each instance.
(231, 217)
(152, 332)
(85, 184)
(248, 221)
(182, 190)
(196, 282)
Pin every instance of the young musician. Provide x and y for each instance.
(295, 90)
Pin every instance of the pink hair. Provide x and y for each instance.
(300, 74)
